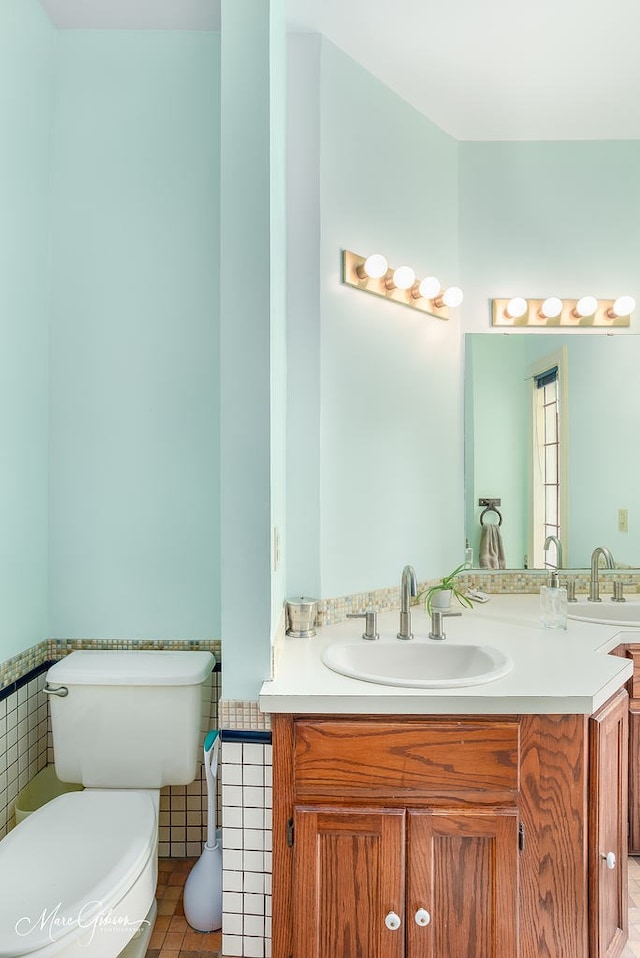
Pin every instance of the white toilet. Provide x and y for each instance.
(79, 874)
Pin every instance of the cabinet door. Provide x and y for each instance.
(348, 877)
(608, 828)
(463, 873)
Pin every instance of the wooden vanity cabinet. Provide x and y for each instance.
(448, 836)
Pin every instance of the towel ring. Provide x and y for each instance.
(490, 508)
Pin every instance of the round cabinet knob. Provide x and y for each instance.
(610, 859)
(422, 917)
(392, 921)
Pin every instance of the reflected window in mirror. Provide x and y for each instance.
(550, 438)
(546, 480)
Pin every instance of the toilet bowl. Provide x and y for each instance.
(83, 871)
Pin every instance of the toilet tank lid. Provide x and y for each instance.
(131, 667)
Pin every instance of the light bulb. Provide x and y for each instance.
(375, 266)
(404, 277)
(623, 306)
(516, 307)
(429, 287)
(551, 308)
(586, 306)
(452, 296)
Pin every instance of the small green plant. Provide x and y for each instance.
(446, 583)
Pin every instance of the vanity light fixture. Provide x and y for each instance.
(427, 288)
(374, 275)
(402, 278)
(374, 267)
(623, 306)
(568, 313)
(452, 297)
(516, 307)
(586, 306)
(551, 308)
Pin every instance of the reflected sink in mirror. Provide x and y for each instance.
(606, 612)
(417, 664)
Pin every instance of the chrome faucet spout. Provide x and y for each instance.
(558, 545)
(594, 593)
(408, 587)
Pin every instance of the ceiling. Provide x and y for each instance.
(492, 70)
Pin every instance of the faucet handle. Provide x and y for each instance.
(437, 615)
(618, 590)
(370, 625)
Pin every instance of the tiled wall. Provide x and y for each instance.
(493, 581)
(183, 808)
(23, 743)
(246, 880)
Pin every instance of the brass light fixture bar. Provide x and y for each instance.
(568, 313)
(398, 285)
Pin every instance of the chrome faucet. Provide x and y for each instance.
(558, 544)
(594, 593)
(408, 587)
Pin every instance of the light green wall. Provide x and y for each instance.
(388, 378)
(374, 468)
(26, 101)
(252, 323)
(134, 396)
(498, 426)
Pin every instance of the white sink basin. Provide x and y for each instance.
(418, 665)
(606, 612)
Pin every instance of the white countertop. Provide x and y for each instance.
(555, 671)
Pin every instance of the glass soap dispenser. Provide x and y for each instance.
(468, 555)
(553, 603)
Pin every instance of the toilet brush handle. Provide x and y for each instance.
(211, 772)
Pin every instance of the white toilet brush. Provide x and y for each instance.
(203, 888)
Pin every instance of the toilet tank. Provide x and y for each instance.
(129, 719)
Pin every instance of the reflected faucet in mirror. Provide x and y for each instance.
(408, 587)
(553, 540)
(594, 593)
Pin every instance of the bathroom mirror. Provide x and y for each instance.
(600, 402)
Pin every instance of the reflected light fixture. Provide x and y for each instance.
(374, 275)
(570, 313)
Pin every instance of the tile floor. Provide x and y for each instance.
(173, 938)
(632, 949)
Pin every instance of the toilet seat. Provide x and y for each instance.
(69, 863)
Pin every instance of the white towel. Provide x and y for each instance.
(491, 548)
